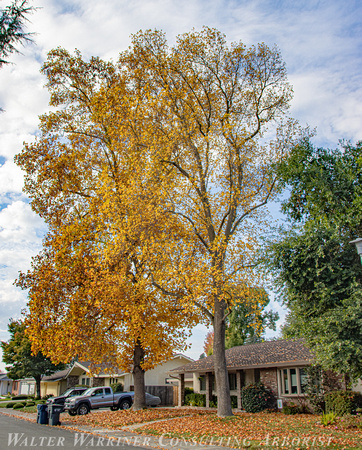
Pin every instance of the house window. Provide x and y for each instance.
(85, 381)
(293, 381)
(232, 381)
(285, 382)
(256, 375)
(303, 380)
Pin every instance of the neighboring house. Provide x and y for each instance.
(280, 365)
(54, 384)
(26, 386)
(6, 384)
(79, 374)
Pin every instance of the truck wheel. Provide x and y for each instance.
(83, 409)
(125, 404)
(114, 408)
(72, 413)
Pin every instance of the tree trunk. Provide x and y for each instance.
(139, 401)
(37, 383)
(221, 373)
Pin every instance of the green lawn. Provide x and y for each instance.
(30, 409)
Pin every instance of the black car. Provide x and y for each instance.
(71, 392)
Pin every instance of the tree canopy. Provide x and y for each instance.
(160, 165)
(23, 363)
(317, 269)
(96, 181)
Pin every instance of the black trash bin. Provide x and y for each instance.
(54, 413)
(42, 416)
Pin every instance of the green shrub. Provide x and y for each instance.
(30, 404)
(256, 397)
(195, 399)
(291, 409)
(20, 397)
(9, 405)
(328, 419)
(234, 401)
(213, 402)
(117, 387)
(18, 405)
(188, 391)
(342, 402)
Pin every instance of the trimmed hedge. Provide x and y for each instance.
(18, 405)
(30, 404)
(256, 397)
(342, 402)
(20, 397)
(9, 405)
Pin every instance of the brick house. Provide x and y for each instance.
(279, 365)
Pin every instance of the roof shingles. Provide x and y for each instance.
(267, 354)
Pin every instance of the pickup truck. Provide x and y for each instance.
(103, 397)
(71, 392)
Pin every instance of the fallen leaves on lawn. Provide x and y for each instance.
(118, 419)
(272, 430)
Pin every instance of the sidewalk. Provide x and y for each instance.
(123, 436)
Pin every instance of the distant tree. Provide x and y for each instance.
(209, 343)
(318, 272)
(247, 323)
(17, 353)
(12, 22)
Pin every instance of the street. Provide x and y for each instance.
(22, 434)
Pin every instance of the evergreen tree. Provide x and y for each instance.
(17, 353)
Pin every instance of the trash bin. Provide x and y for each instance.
(42, 416)
(54, 413)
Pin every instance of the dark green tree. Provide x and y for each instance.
(316, 269)
(12, 23)
(246, 325)
(17, 353)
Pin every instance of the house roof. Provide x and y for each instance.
(4, 377)
(56, 376)
(263, 354)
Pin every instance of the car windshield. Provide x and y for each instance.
(87, 392)
(67, 392)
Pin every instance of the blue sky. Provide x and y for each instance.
(320, 42)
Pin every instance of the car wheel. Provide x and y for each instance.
(125, 404)
(72, 413)
(83, 409)
(114, 408)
